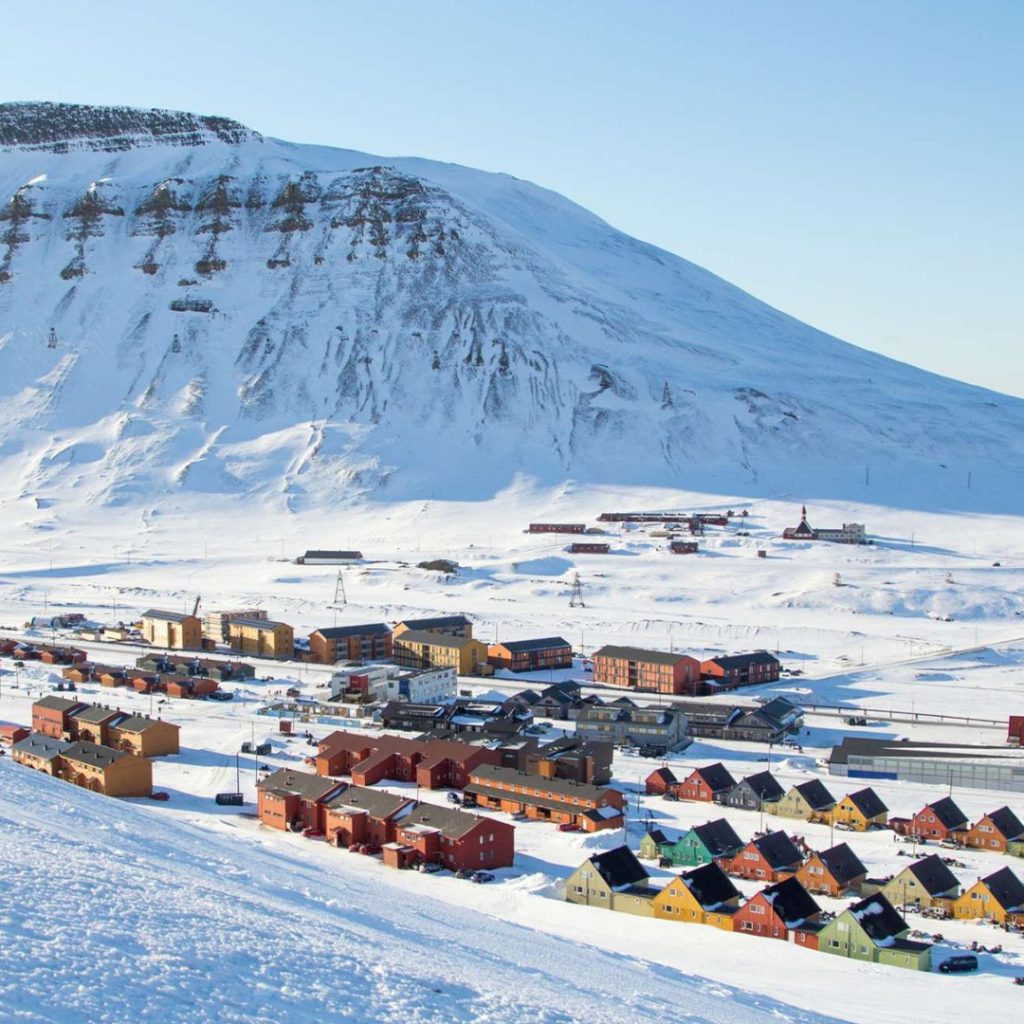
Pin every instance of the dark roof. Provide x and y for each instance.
(244, 620)
(437, 622)
(139, 723)
(765, 786)
(868, 747)
(740, 660)
(519, 646)
(710, 885)
(665, 774)
(842, 863)
(447, 820)
(96, 714)
(1008, 824)
(155, 613)
(39, 745)
(778, 850)
(719, 837)
(791, 901)
(779, 710)
(619, 867)
(1007, 889)
(816, 794)
(947, 812)
(92, 753)
(333, 554)
(561, 787)
(639, 654)
(657, 836)
(378, 803)
(57, 703)
(879, 919)
(933, 874)
(303, 784)
(422, 636)
(717, 777)
(868, 802)
(339, 632)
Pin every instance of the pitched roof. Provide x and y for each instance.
(156, 613)
(729, 661)
(934, 875)
(765, 786)
(842, 863)
(1007, 823)
(639, 654)
(140, 723)
(779, 710)
(378, 803)
(868, 802)
(791, 901)
(339, 632)
(437, 622)
(665, 775)
(561, 787)
(657, 836)
(719, 837)
(716, 776)
(422, 636)
(619, 867)
(947, 812)
(92, 753)
(879, 919)
(543, 644)
(1007, 889)
(710, 885)
(39, 745)
(57, 703)
(778, 850)
(302, 784)
(446, 820)
(96, 714)
(816, 795)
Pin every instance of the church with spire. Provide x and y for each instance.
(851, 533)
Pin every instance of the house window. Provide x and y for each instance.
(756, 908)
(748, 926)
(833, 943)
(579, 890)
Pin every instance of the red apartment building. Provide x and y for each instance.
(637, 669)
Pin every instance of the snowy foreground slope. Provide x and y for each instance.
(349, 324)
(148, 920)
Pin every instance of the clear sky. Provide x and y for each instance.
(857, 164)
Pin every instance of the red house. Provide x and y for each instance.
(938, 821)
(785, 911)
(293, 801)
(52, 716)
(453, 839)
(360, 815)
(660, 782)
(705, 784)
(1015, 731)
(11, 734)
(741, 670)
(772, 857)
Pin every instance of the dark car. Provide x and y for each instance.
(481, 876)
(958, 963)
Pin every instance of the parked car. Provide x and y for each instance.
(843, 826)
(220, 695)
(569, 826)
(429, 867)
(481, 876)
(160, 796)
(959, 963)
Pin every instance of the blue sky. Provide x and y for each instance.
(858, 165)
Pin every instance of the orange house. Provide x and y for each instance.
(995, 831)
(833, 872)
(771, 857)
(705, 783)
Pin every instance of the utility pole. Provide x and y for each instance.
(576, 596)
(339, 590)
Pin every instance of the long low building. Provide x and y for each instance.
(653, 728)
(943, 764)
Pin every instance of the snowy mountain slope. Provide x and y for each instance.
(129, 915)
(348, 324)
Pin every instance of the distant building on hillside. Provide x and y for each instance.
(329, 557)
(851, 533)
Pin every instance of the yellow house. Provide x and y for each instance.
(105, 770)
(39, 752)
(420, 649)
(810, 801)
(925, 883)
(998, 897)
(261, 637)
(614, 880)
(173, 630)
(145, 737)
(704, 895)
(861, 811)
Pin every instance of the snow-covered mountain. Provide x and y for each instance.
(237, 314)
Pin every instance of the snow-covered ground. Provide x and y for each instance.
(880, 640)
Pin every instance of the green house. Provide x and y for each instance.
(703, 844)
(872, 930)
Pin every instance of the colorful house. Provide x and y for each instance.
(366, 642)
(105, 770)
(52, 716)
(995, 831)
(833, 872)
(785, 910)
(703, 844)
(39, 752)
(92, 723)
(660, 782)
(293, 801)
(861, 810)
(938, 821)
(735, 670)
(452, 838)
(873, 931)
(147, 737)
(705, 895)
(531, 655)
(651, 844)
(771, 857)
(614, 880)
(356, 814)
(925, 883)
(753, 793)
(707, 784)
(810, 801)
(998, 897)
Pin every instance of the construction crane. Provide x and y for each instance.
(195, 607)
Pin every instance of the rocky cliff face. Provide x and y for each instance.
(244, 315)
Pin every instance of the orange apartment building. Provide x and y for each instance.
(637, 669)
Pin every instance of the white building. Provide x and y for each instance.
(391, 682)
